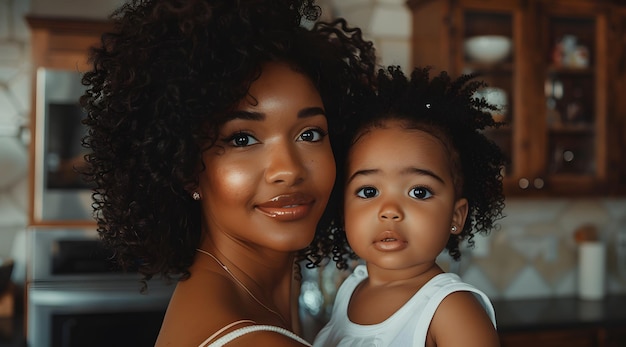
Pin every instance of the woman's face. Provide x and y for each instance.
(269, 175)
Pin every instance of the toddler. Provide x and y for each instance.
(420, 177)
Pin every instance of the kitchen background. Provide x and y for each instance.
(533, 254)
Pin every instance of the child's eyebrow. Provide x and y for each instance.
(259, 116)
(426, 172)
(405, 171)
(362, 173)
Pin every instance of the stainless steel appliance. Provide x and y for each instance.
(77, 297)
(59, 193)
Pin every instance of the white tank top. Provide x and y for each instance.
(406, 327)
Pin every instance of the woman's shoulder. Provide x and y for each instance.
(200, 306)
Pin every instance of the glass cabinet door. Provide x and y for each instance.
(487, 41)
(574, 53)
(569, 92)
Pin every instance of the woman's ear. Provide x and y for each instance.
(459, 214)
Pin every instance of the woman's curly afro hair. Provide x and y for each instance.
(159, 83)
(447, 109)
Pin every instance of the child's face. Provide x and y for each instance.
(269, 176)
(400, 204)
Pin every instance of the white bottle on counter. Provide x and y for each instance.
(591, 270)
(620, 246)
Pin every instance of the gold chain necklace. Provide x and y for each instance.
(242, 285)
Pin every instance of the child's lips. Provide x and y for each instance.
(389, 241)
(287, 207)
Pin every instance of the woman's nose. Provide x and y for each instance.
(285, 166)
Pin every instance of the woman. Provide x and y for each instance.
(208, 129)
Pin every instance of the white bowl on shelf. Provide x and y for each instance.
(488, 49)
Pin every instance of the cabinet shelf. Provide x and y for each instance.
(574, 71)
(492, 69)
(571, 129)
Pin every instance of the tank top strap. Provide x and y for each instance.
(217, 333)
(252, 328)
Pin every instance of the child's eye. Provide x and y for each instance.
(421, 193)
(312, 135)
(241, 140)
(367, 192)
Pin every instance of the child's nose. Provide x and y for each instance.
(391, 211)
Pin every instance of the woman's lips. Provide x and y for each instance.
(389, 241)
(287, 207)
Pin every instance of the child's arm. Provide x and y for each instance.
(460, 320)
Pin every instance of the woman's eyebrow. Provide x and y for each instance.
(259, 116)
(311, 112)
(247, 115)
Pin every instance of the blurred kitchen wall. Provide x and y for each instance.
(532, 254)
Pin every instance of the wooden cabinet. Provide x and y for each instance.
(614, 336)
(566, 337)
(563, 79)
(562, 321)
(551, 338)
(616, 100)
(62, 43)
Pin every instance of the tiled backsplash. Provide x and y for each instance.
(533, 254)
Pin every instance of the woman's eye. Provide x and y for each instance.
(242, 140)
(312, 135)
(367, 192)
(420, 193)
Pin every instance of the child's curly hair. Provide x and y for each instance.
(161, 81)
(448, 110)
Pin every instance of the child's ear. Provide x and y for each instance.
(459, 214)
